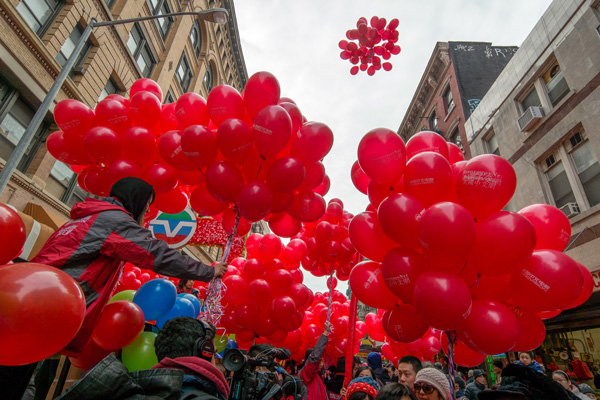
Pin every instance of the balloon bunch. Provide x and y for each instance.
(328, 247)
(372, 42)
(254, 150)
(445, 256)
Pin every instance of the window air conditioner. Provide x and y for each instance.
(530, 117)
(570, 209)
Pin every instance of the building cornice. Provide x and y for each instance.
(234, 41)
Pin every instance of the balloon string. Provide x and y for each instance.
(451, 341)
(330, 294)
(216, 288)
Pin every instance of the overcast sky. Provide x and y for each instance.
(297, 41)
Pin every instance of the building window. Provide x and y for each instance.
(140, 49)
(15, 116)
(109, 3)
(196, 38)
(67, 49)
(573, 173)
(39, 13)
(531, 100)
(556, 85)
(184, 72)
(169, 98)
(491, 145)
(111, 87)
(160, 7)
(63, 185)
(433, 123)
(448, 99)
(457, 140)
(208, 78)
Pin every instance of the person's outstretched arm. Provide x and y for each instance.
(311, 368)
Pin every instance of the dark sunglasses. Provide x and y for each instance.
(425, 387)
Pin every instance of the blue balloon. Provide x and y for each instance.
(182, 308)
(232, 344)
(194, 301)
(155, 297)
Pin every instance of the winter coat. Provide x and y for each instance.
(200, 375)
(534, 365)
(93, 247)
(473, 389)
(310, 374)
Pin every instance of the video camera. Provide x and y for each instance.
(247, 383)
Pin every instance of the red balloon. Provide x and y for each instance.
(120, 323)
(228, 222)
(307, 207)
(549, 280)
(426, 141)
(447, 234)
(503, 242)
(224, 181)
(312, 142)
(199, 144)
(284, 225)
(113, 114)
(265, 326)
(368, 238)
(295, 251)
(235, 140)
(144, 109)
(12, 234)
(367, 283)
(485, 185)
(35, 297)
(122, 169)
(246, 316)
(286, 174)
(225, 102)
(400, 269)
(552, 227)
(428, 178)
(191, 178)
(455, 154)
(532, 331)
(168, 120)
(204, 203)
(491, 288)
(237, 289)
(403, 324)
(491, 326)
(382, 155)
(315, 173)
(139, 145)
(463, 355)
(191, 109)
(261, 90)
(377, 192)
(442, 299)
(255, 201)
(69, 150)
(97, 180)
(269, 247)
(271, 130)
(282, 307)
(359, 178)
(300, 294)
(172, 202)
(586, 290)
(147, 85)
(169, 147)
(252, 244)
(399, 217)
(161, 177)
(294, 113)
(324, 187)
(74, 118)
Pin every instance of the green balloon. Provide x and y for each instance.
(124, 295)
(140, 354)
(221, 343)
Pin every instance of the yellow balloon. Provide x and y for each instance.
(124, 295)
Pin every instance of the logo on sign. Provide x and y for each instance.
(175, 229)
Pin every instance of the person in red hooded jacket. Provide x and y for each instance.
(94, 246)
(313, 364)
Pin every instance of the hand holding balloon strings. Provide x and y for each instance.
(216, 288)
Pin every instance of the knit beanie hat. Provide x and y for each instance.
(374, 360)
(364, 384)
(435, 378)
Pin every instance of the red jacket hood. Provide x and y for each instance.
(92, 206)
(198, 367)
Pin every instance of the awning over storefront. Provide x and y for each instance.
(585, 316)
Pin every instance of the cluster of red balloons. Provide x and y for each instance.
(328, 247)
(444, 255)
(254, 150)
(133, 278)
(367, 45)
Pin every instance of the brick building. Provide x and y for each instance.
(183, 54)
(543, 115)
(456, 78)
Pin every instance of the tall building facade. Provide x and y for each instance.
(183, 54)
(543, 115)
(456, 78)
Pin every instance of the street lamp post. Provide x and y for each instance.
(216, 15)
